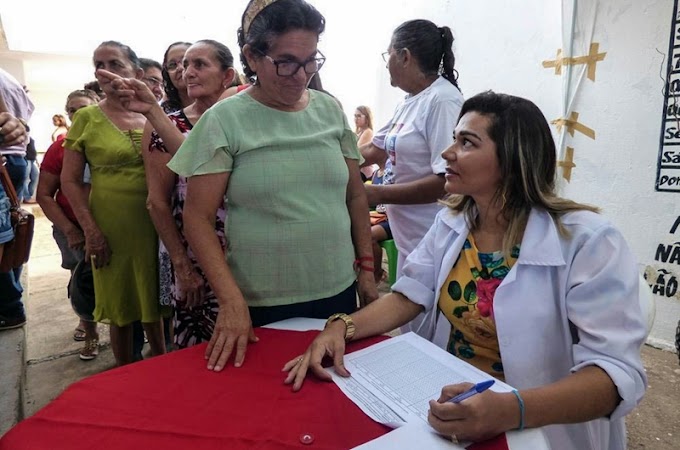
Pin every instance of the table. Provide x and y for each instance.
(173, 402)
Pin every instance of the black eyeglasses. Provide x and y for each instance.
(287, 68)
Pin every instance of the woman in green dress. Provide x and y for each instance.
(120, 239)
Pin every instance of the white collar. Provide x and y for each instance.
(541, 242)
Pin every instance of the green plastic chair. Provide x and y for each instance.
(392, 257)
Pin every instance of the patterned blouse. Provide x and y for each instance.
(466, 300)
(195, 325)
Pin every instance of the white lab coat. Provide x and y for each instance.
(568, 302)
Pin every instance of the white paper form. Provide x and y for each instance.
(393, 381)
(410, 436)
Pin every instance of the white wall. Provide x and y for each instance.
(49, 78)
(499, 45)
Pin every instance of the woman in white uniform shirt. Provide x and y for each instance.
(421, 62)
(550, 302)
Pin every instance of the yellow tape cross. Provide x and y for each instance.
(591, 60)
(567, 164)
(572, 124)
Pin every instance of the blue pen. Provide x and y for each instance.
(476, 389)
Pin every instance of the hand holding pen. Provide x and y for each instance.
(476, 389)
(473, 412)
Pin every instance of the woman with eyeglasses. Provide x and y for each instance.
(420, 61)
(285, 159)
(176, 97)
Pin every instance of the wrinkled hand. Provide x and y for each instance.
(477, 418)
(330, 342)
(97, 249)
(134, 94)
(191, 288)
(367, 288)
(75, 238)
(233, 332)
(13, 132)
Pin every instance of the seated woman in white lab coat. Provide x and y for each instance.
(529, 287)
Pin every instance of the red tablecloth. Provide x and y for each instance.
(174, 402)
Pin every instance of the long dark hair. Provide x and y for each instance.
(278, 18)
(173, 102)
(527, 159)
(430, 45)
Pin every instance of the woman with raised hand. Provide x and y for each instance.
(207, 68)
(285, 159)
(120, 239)
(529, 287)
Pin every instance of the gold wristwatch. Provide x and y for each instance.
(349, 324)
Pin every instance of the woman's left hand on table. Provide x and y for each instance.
(477, 418)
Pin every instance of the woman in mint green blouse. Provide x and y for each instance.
(285, 161)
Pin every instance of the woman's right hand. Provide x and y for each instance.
(330, 342)
(233, 332)
(134, 94)
(97, 248)
(191, 287)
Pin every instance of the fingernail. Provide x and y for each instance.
(237, 364)
(218, 368)
(210, 367)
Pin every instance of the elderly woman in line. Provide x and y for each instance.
(529, 287)
(120, 239)
(285, 159)
(207, 68)
(66, 231)
(174, 85)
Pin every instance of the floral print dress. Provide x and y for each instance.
(195, 325)
(466, 300)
